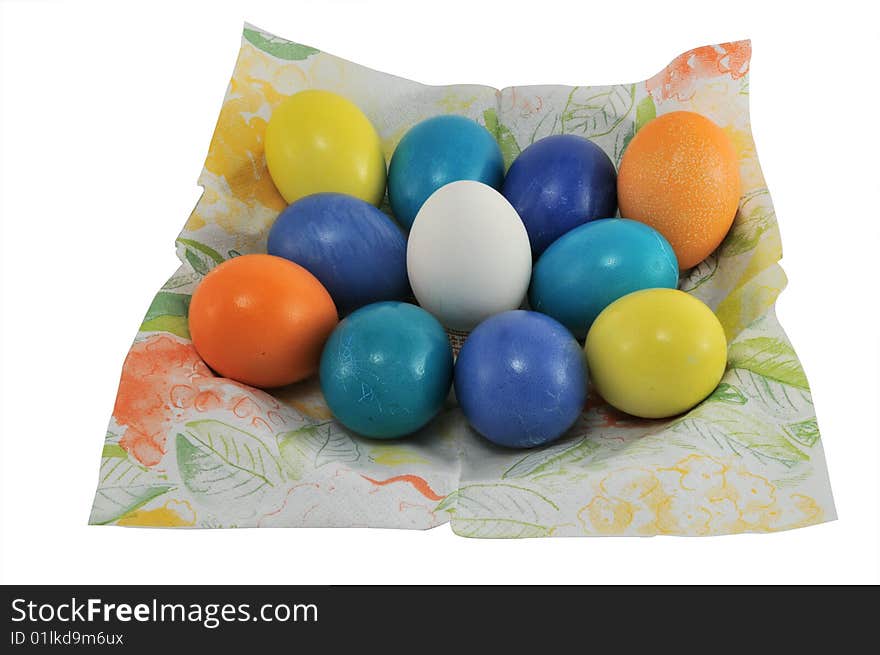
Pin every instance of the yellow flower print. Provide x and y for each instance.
(630, 484)
(684, 515)
(236, 151)
(172, 514)
(606, 516)
(238, 188)
(797, 511)
(195, 221)
(724, 516)
(626, 502)
(701, 475)
(698, 495)
(455, 104)
(245, 221)
(751, 492)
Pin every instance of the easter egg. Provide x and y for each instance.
(656, 353)
(355, 251)
(386, 370)
(521, 379)
(438, 151)
(590, 267)
(261, 320)
(680, 175)
(318, 141)
(468, 255)
(558, 183)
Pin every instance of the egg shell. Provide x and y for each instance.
(261, 320)
(438, 151)
(590, 267)
(680, 175)
(318, 141)
(521, 379)
(656, 353)
(356, 251)
(468, 255)
(558, 183)
(386, 370)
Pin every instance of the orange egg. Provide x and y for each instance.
(680, 175)
(261, 320)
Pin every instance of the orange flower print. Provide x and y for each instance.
(165, 381)
(678, 79)
(157, 383)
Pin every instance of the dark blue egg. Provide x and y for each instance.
(354, 250)
(558, 183)
(436, 152)
(521, 379)
(386, 369)
(589, 268)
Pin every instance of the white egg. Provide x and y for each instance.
(468, 255)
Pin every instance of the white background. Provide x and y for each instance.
(106, 113)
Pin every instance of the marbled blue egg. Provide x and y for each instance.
(558, 183)
(521, 379)
(593, 265)
(354, 250)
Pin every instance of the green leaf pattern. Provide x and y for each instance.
(168, 313)
(770, 358)
(280, 48)
(224, 467)
(124, 485)
(498, 511)
(596, 113)
(315, 446)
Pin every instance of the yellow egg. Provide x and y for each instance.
(656, 353)
(317, 141)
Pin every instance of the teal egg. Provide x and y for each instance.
(593, 265)
(386, 369)
(438, 151)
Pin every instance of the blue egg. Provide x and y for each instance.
(521, 379)
(589, 268)
(436, 152)
(558, 183)
(354, 250)
(386, 369)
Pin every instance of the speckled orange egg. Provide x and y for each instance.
(680, 175)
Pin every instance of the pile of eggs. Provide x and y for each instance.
(469, 246)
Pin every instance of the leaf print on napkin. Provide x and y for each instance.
(506, 141)
(277, 47)
(124, 486)
(769, 357)
(226, 468)
(732, 430)
(498, 511)
(168, 313)
(551, 459)
(600, 112)
(315, 446)
(200, 256)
